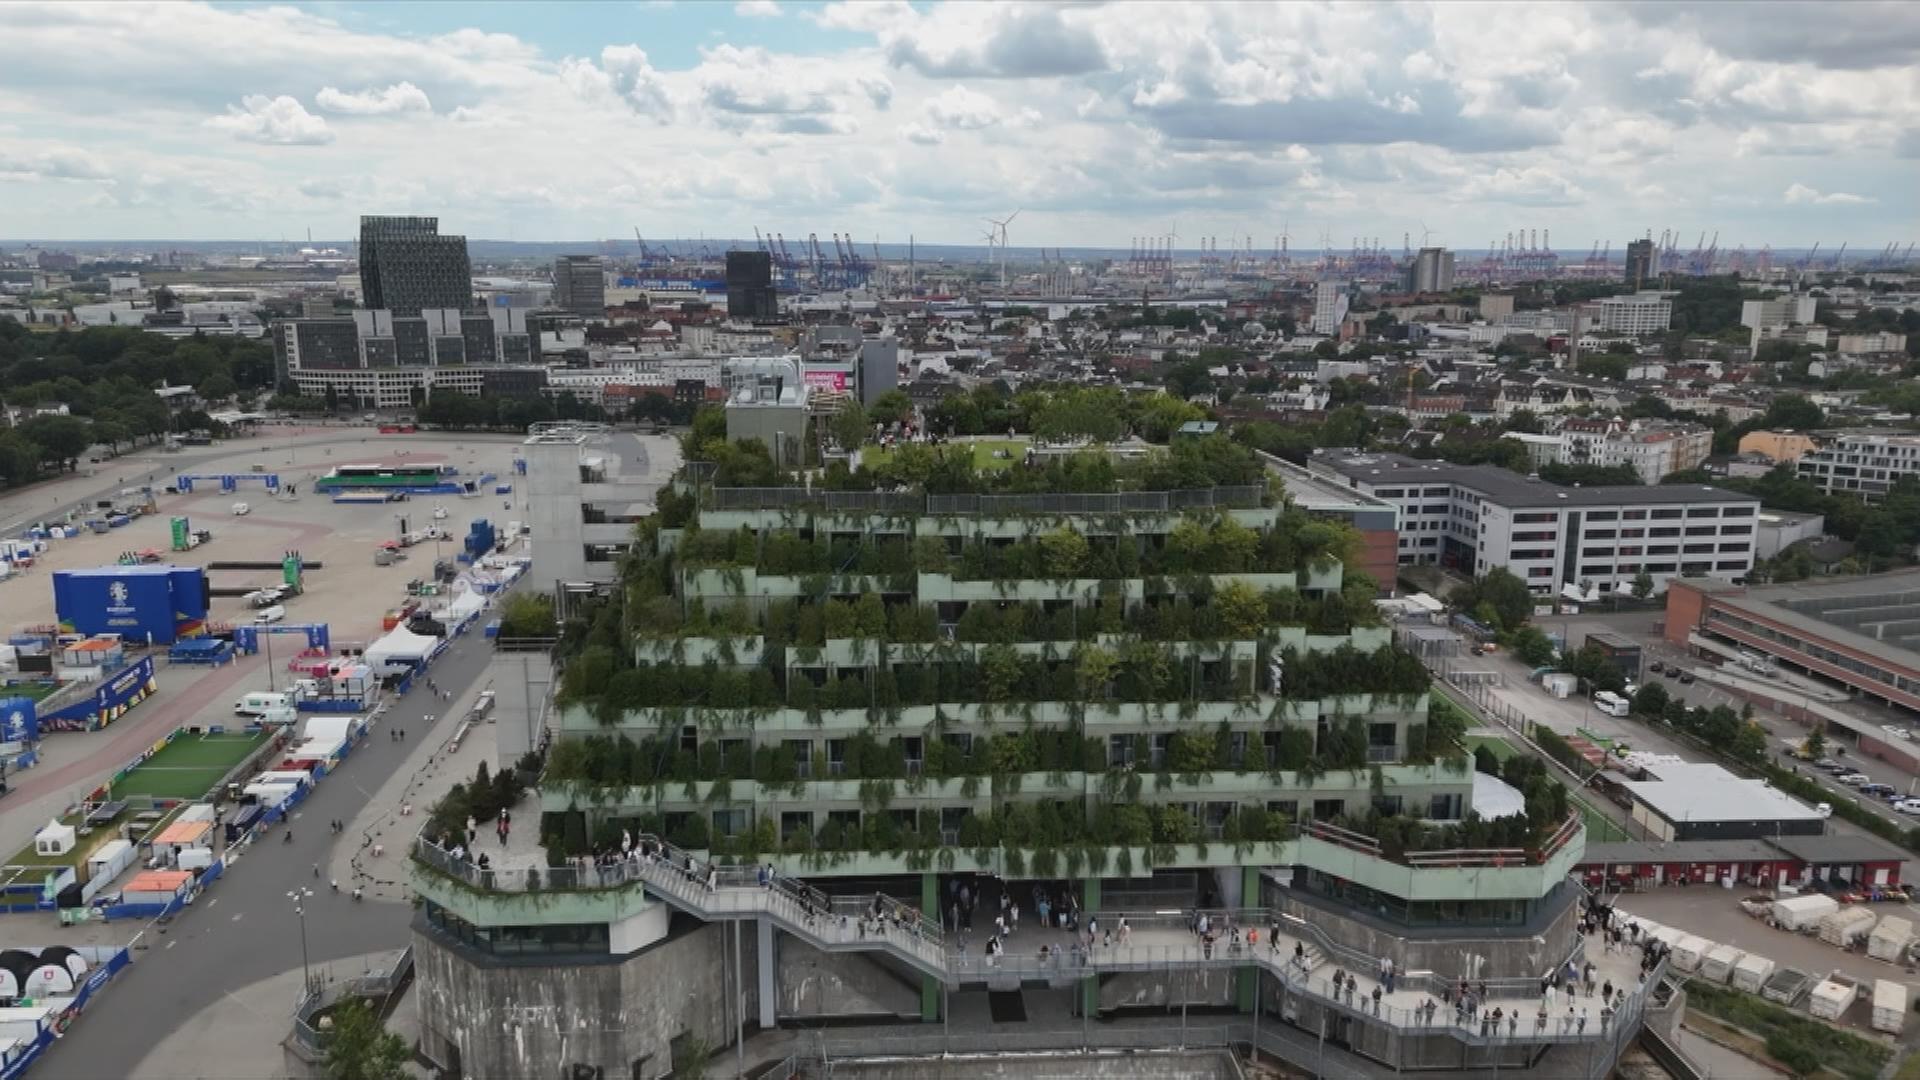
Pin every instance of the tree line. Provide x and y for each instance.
(105, 377)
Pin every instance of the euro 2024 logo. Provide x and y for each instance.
(117, 592)
(16, 727)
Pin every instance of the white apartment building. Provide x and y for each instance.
(1866, 465)
(1653, 450)
(1642, 313)
(1584, 542)
(1329, 307)
(1882, 342)
(1769, 318)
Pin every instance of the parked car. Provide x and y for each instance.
(1854, 779)
(1657, 667)
(1686, 677)
(1878, 791)
(1897, 731)
(1827, 764)
(1907, 806)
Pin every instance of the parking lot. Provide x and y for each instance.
(348, 592)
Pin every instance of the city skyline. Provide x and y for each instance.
(1596, 122)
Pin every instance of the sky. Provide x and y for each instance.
(1452, 123)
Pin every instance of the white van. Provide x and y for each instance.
(1611, 703)
(258, 703)
(270, 615)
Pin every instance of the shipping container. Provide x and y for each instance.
(1830, 999)
(1751, 973)
(1890, 1006)
(1890, 939)
(1720, 962)
(1803, 912)
(1690, 951)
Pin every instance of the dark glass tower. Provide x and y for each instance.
(406, 266)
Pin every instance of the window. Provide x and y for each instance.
(1703, 511)
(1701, 530)
(1535, 518)
(1540, 572)
(1596, 553)
(1739, 511)
(1632, 534)
(1666, 514)
(1633, 515)
(1735, 530)
(1600, 515)
(1733, 547)
(1730, 564)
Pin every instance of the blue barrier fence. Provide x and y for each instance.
(98, 978)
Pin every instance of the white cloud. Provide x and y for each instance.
(1801, 194)
(401, 97)
(963, 109)
(1362, 119)
(757, 9)
(281, 121)
(51, 163)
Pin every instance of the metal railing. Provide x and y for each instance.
(902, 502)
(375, 986)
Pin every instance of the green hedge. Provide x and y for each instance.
(1798, 1042)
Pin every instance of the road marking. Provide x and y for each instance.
(238, 915)
(171, 944)
(213, 902)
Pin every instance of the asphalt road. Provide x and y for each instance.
(244, 928)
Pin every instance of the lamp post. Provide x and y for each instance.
(299, 898)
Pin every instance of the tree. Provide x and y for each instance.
(61, 438)
(362, 1048)
(1501, 591)
(1651, 700)
(1816, 744)
(1642, 585)
(890, 408)
(850, 426)
(1532, 647)
(1189, 379)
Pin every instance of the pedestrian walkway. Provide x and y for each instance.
(1532, 1010)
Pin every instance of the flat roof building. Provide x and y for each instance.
(1860, 633)
(1573, 541)
(1687, 801)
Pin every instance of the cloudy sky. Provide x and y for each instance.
(1100, 122)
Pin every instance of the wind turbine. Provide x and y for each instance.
(1000, 237)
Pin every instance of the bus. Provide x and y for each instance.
(348, 477)
(1611, 703)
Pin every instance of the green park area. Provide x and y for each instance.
(987, 454)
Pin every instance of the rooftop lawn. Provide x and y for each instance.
(983, 454)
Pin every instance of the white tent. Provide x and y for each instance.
(400, 651)
(55, 839)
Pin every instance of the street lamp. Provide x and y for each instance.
(299, 898)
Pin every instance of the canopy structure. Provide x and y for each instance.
(400, 650)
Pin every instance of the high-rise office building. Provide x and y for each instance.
(1639, 263)
(407, 267)
(1329, 306)
(1431, 271)
(750, 292)
(580, 285)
